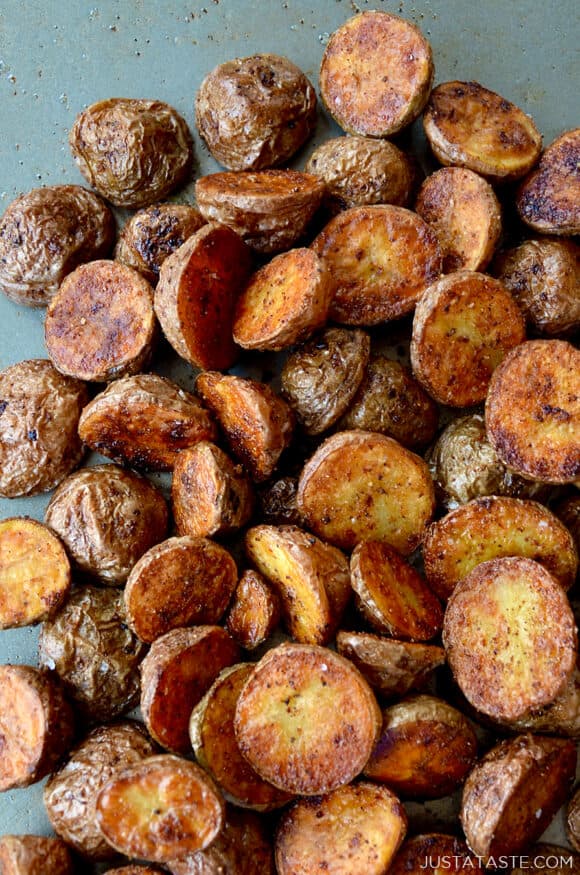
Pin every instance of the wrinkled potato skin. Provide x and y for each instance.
(278, 502)
(47, 233)
(107, 518)
(34, 855)
(255, 112)
(134, 152)
(94, 652)
(39, 412)
(71, 793)
(153, 234)
(548, 200)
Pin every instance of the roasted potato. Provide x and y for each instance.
(277, 502)
(544, 278)
(45, 234)
(36, 725)
(134, 152)
(39, 414)
(321, 378)
(255, 112)
(376, 74)
(548, 199)
(470, 126)
(90, 646)
(561, 717)
(70, 795)
(573, 820)
(254, 612)
(107, 518)
(153, 234)
(435, 853)
(34, 855)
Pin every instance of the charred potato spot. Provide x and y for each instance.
(34, 855)
(278, 502)
(254, 612)
(548, 200)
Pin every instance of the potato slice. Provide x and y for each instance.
(209, 494)
(391, 667)
(376, 74)
(254, 612)
(178, 670)
(510, 637)
(513, 793)
(548, 198)
(257, 423)
(463, 327)
(284, 302)
(311, 578)
(532, 412)
(425, 748)
(436, 853)
(269, 209)
(392, 595)
(196, 296)
(36, 725)
(306, 720)
(100, 325)
(160, 809)
(144, 421)
(488, 528)
(211, 730)
(34, 573)
(34, 855)
(180, 582)
(354, 829)
(471, 126)
(359, 485)
(380, 260)
(465, 213)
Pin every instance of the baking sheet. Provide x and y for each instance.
(56, 58)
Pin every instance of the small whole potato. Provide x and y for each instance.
(134, 152)
(255, 112)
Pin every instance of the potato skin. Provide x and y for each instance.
(255, 112)
(134, 152)
(254, 612)
(47, 233)
(548, 198)
(277, 501)
(34, 855)
(39, 445)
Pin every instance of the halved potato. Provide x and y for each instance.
(548, 200)
(254, 612)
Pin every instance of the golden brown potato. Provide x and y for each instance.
(269, 209)
(90, 646)
(134, 152)
(391, 401)
(254, 612)
(209, 495)
(256, 422)
(510, 637)
(391, 667)
(107, 518)
(100, 325)
(513, 793)
(178, 670)
(380, 260)
(45, 234)
(573, 820)
(34, 573)
(311, 578)
(36, 725)
(284, 302)
(435, 853)
(548, 199)
(360, 485)
(470, 126)
(425, 748)
(320, 378)
(354, 829)
(196, 293)
(463, 327)
(159, 809)
(278, 502)
(465, 213)
(359, 171)
(544, 278)
(144, 421)
(39, 414)
(255, 112)
(153, 234)
(306, 692)
(179, 582)
(532, 412)
(488, 528)
(376, 74)
(34, 855)
(70, 795)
